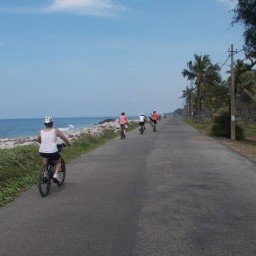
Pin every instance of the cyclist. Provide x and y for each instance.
(48, 145)
(123, 121)
(154, 117)
(142, 121)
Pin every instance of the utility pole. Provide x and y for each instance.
(232, 93)
(190, 99)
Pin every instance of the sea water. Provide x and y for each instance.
(11, 128)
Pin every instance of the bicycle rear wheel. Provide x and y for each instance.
(154, 127)
(141, 130)
(62, 173)
(44, 181)
(122, 134)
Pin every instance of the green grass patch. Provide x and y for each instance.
(19, 166)
(249, 129)
(203, 126)
(246, 146)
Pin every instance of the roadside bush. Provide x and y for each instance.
(221, 126)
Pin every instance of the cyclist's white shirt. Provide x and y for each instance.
(48, 141)
(142, 119)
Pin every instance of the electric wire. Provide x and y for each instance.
(225, 62)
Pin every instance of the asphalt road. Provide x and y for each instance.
(173, 192)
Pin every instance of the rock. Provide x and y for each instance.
(107, 121)
(32, 138)
(97, 130)
(29, 143)
(20, 141)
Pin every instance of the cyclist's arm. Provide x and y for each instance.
(63, 137)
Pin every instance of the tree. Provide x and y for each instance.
(245, 12)
(245, 85)
(205, 74)
(177, 111)
(188, 95)
(217, 97)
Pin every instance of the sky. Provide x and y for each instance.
(78, 58)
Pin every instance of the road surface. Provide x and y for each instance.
(174, 192)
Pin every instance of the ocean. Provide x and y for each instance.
(12, 128)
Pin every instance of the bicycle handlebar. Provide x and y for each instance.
(60, 146)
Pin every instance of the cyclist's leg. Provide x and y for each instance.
(142, 125)
(123, 129)
(44, 161)
(155, 124)
(44, 158)
(57, 165)
(56, 157)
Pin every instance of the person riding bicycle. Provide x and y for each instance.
(123, 121)
(48, 145)
(142, 121)
(154, 117)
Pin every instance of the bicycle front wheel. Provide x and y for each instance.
(62, 173)
(44, 181)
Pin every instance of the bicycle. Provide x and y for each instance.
(122, 135)
(141, 129)
(154, 126)
(46, 174)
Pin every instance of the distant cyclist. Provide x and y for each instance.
(154, 117)
(142, 121)
(123, 121)
(48, 145)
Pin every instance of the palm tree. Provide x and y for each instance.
(188, 95)
(204, 72)
(245, 88)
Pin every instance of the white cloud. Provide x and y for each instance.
(79, 7)
(85, 7)
(229, 3)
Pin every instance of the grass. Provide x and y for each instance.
(19, 166)
(204, 126)
(249, 129)
(246, 147)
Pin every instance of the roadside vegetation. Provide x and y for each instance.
(246, 146)
(207, 100)
(19, 166)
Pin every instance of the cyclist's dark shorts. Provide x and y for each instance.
(141, 123)
(53, 156)
(154, 121)
(122, 126)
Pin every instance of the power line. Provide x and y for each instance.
(239, 51)
(225, 62)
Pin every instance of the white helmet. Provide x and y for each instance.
(48, 120)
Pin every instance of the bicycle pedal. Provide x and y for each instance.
(56, 181)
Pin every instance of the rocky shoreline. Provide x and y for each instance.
(72, 135)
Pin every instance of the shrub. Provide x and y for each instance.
(222, 123)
